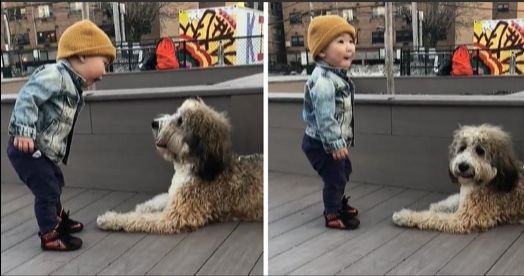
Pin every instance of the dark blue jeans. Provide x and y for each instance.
(45, 180)
(334, 173)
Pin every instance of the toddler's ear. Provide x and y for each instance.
(322, 54)
(82, 59)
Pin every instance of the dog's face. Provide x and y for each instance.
(483, 155)
(196, 135)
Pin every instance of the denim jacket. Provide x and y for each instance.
(328, 107)
(46, 108)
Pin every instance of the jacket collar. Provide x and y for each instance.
(340, 72)
(79, 81)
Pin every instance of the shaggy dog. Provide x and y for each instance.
(491, 182)
(210, 183)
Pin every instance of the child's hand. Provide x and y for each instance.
(24, 144)
(340, 154)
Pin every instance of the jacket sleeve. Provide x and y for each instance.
(323, 98)
(42, 85)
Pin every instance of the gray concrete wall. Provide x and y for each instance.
(401, 140)
(476, 85)
(167, 78)
(113, 146)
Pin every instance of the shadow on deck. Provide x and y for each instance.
(220, 249)
(299, 243)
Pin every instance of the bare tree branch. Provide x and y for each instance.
(139, 17)
(438, 19)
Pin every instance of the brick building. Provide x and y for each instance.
(368, 18)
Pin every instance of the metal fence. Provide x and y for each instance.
(132, 56)
(410, 62)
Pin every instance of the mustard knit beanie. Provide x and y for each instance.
(323, 29)
(85, 38)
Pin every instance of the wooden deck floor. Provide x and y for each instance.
(299, 243)
(219, 249)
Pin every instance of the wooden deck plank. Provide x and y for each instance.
(192, 252)
(27, 212)
(492, 244)
(433, 255)
(313, 211)
(47, 262)
(314, 228)
(12, 191)
(347, 252)
(290, 187)
(325, 242)
(511, 262)
(315, 197)
(27, 249)
(25, 200)
(294, 206)
(384, 258)
(258, 268)
(139, 259)
(28, 226)
(100, 255)
(239, 253)
(28, 200)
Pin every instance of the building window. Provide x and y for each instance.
(297, 40)
(20, 39)
(320, 12)
(44, 11)
(295, 18)
(378, 11)
(348, 14)
(75, 7)
(16, 14)
(277, 33)
(404, 36)
(46, 37)
(377, 37)
(502, 7)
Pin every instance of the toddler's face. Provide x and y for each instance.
(340, 52)
(92, 68)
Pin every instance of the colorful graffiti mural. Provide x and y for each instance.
(221, 35)
(497, 41)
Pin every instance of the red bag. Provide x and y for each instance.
(166, 55)
(461, 65)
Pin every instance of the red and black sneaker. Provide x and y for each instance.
(341, 221)
(347, 209)
(56, 240)
(70, 225)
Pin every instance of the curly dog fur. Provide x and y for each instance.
(210, 184)
(491, 182)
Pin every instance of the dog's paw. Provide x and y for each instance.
(108, 221)
(144, 208)
(401, 218)
(435, 207)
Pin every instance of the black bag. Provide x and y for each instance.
(149, 63)
(444, 67)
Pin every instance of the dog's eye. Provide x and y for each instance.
(480, 151)
(179, 121)
(462, 148)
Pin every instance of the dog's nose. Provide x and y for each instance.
(154, 124)
(463, 167)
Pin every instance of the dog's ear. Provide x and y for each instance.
(211, 156)
(507, 173)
